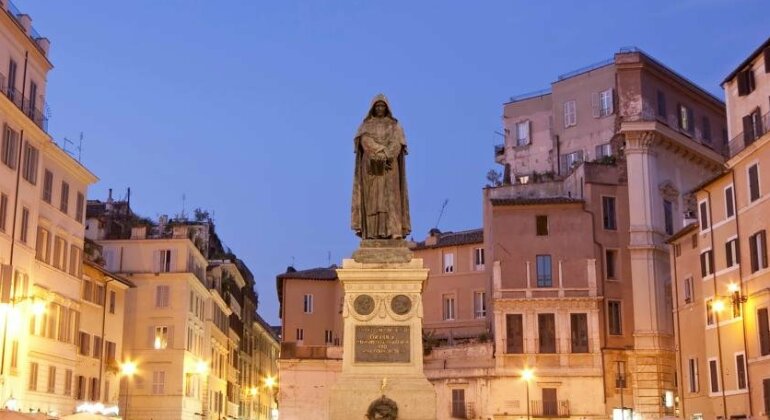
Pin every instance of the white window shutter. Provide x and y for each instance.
(566, 114)
(151, 337)
(595, 105)
(612, 102)
(170, 340)
(529, 132)
(156, 261)
(173, 255)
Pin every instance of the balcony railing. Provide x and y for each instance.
(746, 138)
(499, 150)
(549, 408)
(24, 104)
(672, 121)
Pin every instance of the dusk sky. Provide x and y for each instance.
(248, 108)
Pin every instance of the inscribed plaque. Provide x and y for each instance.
(382, 344)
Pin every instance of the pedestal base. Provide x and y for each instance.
(352, 395)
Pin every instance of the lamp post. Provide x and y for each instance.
(127, 369)
(527, 375)
(716, 307)
(270, 383)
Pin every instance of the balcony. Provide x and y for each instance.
(737, 144)
(25, 105)
(499, 152)
(549, 409)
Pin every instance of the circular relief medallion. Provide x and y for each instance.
(401, 304)
(364, 304)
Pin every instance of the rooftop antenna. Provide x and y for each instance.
(292, 260)
(79, 147)
(329, 258)
(441, 213)
(184, 198)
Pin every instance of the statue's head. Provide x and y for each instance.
(380, 108)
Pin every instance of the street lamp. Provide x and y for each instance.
(527, 375)
(716, 307)
(127, 370)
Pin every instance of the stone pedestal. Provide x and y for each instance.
(382, 313)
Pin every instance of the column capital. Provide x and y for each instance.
(640, 141)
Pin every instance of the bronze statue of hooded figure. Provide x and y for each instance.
(380, 207)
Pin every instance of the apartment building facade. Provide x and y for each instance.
(720, 265)
(192, 315)
(42, 209)
(610, 152)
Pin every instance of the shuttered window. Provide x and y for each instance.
(579, 333)
(746, 83)
(546, 327)
(763, 324)
(753, 183)
(766, 394)
(758, 251)
(514, 334)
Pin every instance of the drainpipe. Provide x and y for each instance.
(679, 330)
(743, 295)
(104, 342)
(716, 318)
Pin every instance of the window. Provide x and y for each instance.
(709, 312)
(541, 223)
(33, 376)
(80, 387)
(706, 129)
(522, 133)
(161, 296)
(729, 202)
(164, 261)
(113, 297)
(603, 151)
(766, 394)
(514, 334)
(10, 147)
(668, 216)
(65, 197)
(79, 203)
(3, 211)
(43, 245)
(110, 351)
(300, 334)
(544, 278)
(692, 368)
(24, 224)
(677, 250)
(308, 304)
(84, 343)
(479, 304)
(688, 290)
(448, 307)
(731, 252)
(740, 370)
(579, 332)
(746, 83)
(703, 214)
(51, 379)
(570, 160)
(76, 261)
(608, 213)
(478, 259)
(763, 325)
(570, 113)
(158, 382)
(550, 403)
(67, 382)
(758, 251)
(161, 337)
(59, 252)
(754, 183)
(602, 103)
(686, 119)
(97, 347)
(449, 262)
(752, 127)
(458, 404)
(661, 104)
(714, 375)
(706, 263)
(615, 317)
(12, 79)
(611, 261)
(546, 330)
(47, 186)
(14, 354)
(30, 157)
(328, 337)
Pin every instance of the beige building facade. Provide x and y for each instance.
(720, 265)
(42, 210)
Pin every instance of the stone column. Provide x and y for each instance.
(382, 360)
(653, 364)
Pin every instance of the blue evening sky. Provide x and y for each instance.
(248, 108)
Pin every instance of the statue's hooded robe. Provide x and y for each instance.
(380, 208)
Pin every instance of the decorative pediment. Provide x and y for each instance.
(668, 191)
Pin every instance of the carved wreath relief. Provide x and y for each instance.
(364, 304)
(401, 304)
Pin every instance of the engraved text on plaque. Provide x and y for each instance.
(382, 343)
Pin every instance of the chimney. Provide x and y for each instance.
(44, 44)
(26, 22)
